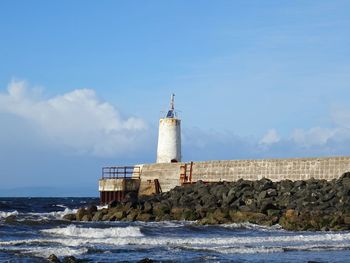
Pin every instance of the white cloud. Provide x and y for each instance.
(78, 120)
(315, 136)
(271, 137)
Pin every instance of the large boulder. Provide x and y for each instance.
(70, 217)
(144, 217)
(80, 213)
(92, 209)
(53, 258)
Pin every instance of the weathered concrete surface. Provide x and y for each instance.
(169, 140)
(118, 184)
(327, 168)
(168, 175)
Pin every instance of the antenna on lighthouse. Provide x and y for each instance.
(172, 105)
(171, 112)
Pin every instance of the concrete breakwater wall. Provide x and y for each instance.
(168, 174)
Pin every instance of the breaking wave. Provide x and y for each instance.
(7, 214)
(251, 226)
(112, 232)
(61, 214)
(133, 236)
(44, 251)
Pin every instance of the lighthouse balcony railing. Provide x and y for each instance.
(120, 172)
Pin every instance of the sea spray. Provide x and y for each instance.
(74, 231)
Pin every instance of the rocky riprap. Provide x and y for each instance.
(295, 205)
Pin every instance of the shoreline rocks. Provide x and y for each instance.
(295, 205)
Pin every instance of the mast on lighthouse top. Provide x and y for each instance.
(171, 112)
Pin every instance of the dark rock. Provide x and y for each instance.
(300, 205)
(80, 214)
(266, 205)
(98, 216)
(264, 184)
(53, 258)
(177, 212)
(144, 217)
(70, 217)
(147, 207)
(132, 215)
(131, 198)
(70, 259)
(118, 215)
(86, 218)
(271, 192)
(113, 204)
(91, 209)
(161, 209)
(145, 260)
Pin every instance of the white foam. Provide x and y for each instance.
(54, 214)
(7, 214)
(112, 232)
(240, 250)
(62, 251)
(63, 206)
(133, 236)
(251, 226)
(77, 237)
(44, 251)
(61, 214)
(99, 207)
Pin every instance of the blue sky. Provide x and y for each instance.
(82, 84)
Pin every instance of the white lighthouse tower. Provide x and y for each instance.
(169, 137)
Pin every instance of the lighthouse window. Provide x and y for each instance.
(170, 114)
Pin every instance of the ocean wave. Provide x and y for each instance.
(133, 236)
(239, 250)
(54, 214)
(7, 214)
(75, 246)
(37, 218)
(74, 231)
(251, 226)
(62, 206)
(99, 207)
(61, 214)
(44, 251)
(61, 251)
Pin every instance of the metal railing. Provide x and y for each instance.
(115, 172)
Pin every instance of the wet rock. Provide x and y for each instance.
(70, 259)
(264, 184)
(98, 216)
(147, 207)
(131, 198)
(53, 258)
(117, 216)
(132, 215)
(91, 209)
(70, 217)
(296, 205)
(145, 260)
(161, 209)
(144, 217)
(113, 204)
(80, 214)
(176, 213)
(86, 218)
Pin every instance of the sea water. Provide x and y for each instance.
(31, 229)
